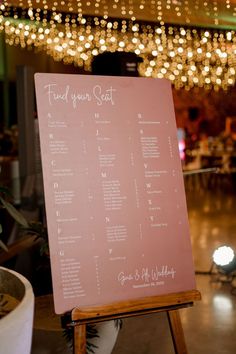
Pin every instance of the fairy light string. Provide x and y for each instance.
(76, 31)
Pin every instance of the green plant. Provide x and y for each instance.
(34, 228)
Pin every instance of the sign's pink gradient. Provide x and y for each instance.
(114, 192)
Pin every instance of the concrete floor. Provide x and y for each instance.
(210, 325)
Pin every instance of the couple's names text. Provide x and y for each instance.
(146, 275)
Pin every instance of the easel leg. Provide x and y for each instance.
(80, 339)
(177, 332)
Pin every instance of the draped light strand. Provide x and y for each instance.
(186, 56)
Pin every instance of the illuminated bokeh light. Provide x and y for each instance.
(185, 55)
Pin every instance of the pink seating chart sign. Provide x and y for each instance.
(114, 192)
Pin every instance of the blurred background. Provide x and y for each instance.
(191, 43)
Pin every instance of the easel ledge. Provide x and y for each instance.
(136, 307)
(169, 303)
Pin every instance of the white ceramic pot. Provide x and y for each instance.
(17, 326)
(105, 337)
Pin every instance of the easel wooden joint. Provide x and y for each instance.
(170, 304)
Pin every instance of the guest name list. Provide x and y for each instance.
(114, 192)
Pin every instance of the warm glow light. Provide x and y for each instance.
(185, 55)
(223, 256)
(182, 149)
(94, 52)
(229, 36)
(223, 303)
(30, 13)
(121, 44)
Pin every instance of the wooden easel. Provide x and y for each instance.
(170, 303)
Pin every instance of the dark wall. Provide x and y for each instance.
(202, 109)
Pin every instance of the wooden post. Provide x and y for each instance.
(177, 332)
(80, 339)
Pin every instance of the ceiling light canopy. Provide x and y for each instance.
(76, 31)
